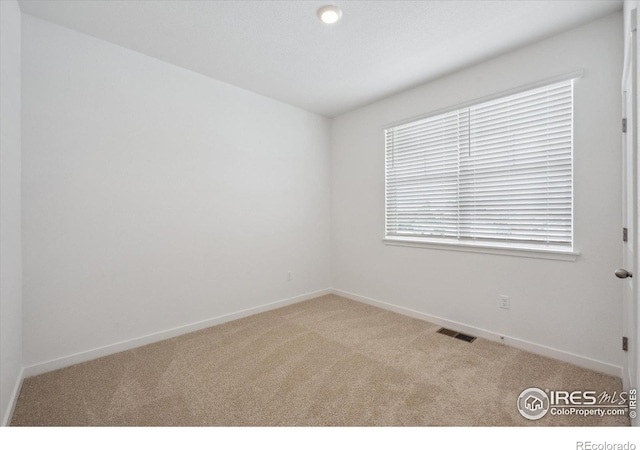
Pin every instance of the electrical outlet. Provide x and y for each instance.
(505, 302)
(289, 276)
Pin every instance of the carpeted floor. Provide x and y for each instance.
(326, 361)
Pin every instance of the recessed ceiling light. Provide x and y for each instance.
(329, 14)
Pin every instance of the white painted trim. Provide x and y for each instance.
(494, 249)
(626, 380)
(574, 75)
(6, 419)
(88, 355)
(539, 349)
(76, 358)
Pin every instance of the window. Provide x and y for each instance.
(497, 173)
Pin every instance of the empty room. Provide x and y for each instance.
(320, 214)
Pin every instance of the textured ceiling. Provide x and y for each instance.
(280, 49)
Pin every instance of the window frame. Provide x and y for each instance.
(498, 248)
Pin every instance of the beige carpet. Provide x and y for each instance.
(326, 361)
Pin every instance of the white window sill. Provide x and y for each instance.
(494, 249)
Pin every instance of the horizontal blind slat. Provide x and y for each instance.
(497, 171)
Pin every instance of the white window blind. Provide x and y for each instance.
(496, 172)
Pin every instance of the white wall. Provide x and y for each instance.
(10, 252)
(155, 197)
(574, 307)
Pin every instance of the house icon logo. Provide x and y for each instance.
(533, 403)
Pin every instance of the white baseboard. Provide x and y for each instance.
(106, 350)
(6, 419)
(539, 349)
